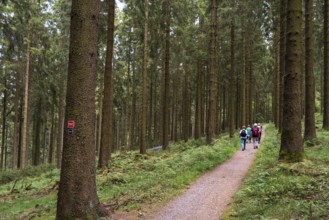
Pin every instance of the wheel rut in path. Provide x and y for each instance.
(208, 196)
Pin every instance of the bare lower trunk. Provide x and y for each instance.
(4, 119)
(16, 122)
(26, 127)
(60, 122)
(326, 68)
(107, 111)
(291, 140)
(77, 195)
(165, 97)
(309, 132)
(142, 147)
(212, 78)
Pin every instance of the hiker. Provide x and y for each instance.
(260, 132)
(255, 135)
(243, 137)
(248, 133)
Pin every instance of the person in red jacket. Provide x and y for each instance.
(255, 135)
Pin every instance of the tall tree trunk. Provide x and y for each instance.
(326, 68)
(283, 24)
(4, 119)
(151, 105)
(107, 111)
(276, 80)
(165, 97)
(211, 122)
(52, 134)
(16, 121)
(26, 127)
(156, 112)
(233, 85)
(199, 89)
(99, 119)
(251, 82)
(244, 75)
(36, 148)
(309, 132)
(133, 111)
(204, 101)
(60, 122)
(224, 107)
(20, 134)
(186, 125)
(242, 79)
(292, 149)
(198, 101)
(142, 146)
(77, 197)
(44, 140)
(6, 147)
(198, 104)
(175, 108)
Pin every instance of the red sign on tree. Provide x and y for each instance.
(70, 124)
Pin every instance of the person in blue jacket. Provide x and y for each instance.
(243, 137)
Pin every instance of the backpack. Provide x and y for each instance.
(254, 132)
(243, 133)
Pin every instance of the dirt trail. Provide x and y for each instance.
(208, 196)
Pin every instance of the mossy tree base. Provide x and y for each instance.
(292, 157)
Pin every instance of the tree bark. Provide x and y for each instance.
(60, 132)
(36, 148)
(52, 134)
(292, 149)
(326, 68)
(283, 6)
(16, 121)
(211, 122)
(165, 97)
(186, 106)
(276, 80)
(26, 127)
(198, 104)
(133, 110)
(309, 132)
(107, 111)
(233, 96)
(242, 79)
(77, 197)
(4, 119)
(251, 83)
(142, 147)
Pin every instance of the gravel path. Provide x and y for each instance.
(207, 197)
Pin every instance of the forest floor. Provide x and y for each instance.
(207, 197)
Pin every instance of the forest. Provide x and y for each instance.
(83, 81)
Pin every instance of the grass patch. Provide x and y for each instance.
(12, 175)
(133, 179)
(161, 175)
(275, 190)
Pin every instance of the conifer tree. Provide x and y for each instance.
(291, 140)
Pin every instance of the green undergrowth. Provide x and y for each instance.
(277, 190)
(131, 181)
(136, 179)
(9, 175)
